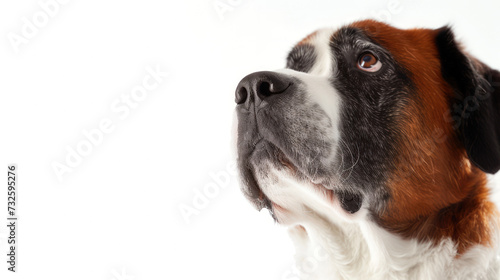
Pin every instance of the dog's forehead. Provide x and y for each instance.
(357, 30)
(313, 54)
(402, 44)
(315, 48)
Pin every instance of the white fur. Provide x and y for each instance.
(320, 92)
(331, 244)
(324, 59)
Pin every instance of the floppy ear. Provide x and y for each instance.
(475, 108)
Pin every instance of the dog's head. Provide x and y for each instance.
(368, 121)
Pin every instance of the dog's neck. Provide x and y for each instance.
(465, 243)
(364, 250)
(331, 244)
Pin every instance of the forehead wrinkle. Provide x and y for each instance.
(357, 40)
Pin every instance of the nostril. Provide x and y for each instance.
(241, 95)
(265, 89)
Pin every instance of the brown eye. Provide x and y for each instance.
(368, 62)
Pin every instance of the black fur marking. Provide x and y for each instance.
(370, 115)
(301, 58)
(475, 109)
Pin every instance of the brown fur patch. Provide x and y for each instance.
(435, 192)
(307, 39)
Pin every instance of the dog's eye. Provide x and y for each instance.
(368, 62)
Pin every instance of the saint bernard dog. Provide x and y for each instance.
(373, 147)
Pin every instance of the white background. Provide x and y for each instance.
(117, 215)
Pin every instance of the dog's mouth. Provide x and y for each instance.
(286, 162)
(349, 201)
(254, 191)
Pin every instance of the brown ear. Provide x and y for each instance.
(475, 108)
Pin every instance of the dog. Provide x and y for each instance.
(373, 147)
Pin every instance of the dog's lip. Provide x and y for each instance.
(283, 160)
(332, 196)
(330, 193)
(286, 162)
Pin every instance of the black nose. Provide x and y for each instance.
(261, 85)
